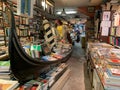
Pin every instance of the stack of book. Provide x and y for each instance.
(46, 79)
(34, 50)
(8, 84)
(112, 78)
(30, 85)
(112, 73)
(4, 69)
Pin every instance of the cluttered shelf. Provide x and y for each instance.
(105, 60)
(4, 57)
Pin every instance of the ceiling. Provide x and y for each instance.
(76, 3)
(72, 5)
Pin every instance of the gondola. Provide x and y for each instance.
(23, 66)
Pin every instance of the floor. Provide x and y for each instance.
(79, 79)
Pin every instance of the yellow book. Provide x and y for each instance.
(8, 84)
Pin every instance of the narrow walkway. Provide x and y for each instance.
(79, 79)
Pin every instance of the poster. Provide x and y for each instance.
(106, 24)
(106, 15)
(105, 31)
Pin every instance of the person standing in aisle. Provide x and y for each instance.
(60, 30)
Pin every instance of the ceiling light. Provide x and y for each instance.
(63, 13)
(71, 12)
(68, 12)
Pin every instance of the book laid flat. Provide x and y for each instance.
(4, 66)
(8, 84)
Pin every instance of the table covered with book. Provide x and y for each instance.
(106, 61)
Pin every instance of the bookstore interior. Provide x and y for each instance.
(34, 48)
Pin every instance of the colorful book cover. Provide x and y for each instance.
(110, 81)
(118, 31)
(4, 63)
(115, 71)
(48, 58)
(8, 84)
(112, 31)
(4, 66)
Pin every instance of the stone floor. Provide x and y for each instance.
(79, 79)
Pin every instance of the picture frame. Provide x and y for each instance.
(106, 16)
(91, 9)
(25, 7)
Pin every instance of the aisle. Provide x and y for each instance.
(78, 79)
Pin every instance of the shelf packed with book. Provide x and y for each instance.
(4, 28)
(115, 29)
(105, 25)
(109, 27)
(21, 21)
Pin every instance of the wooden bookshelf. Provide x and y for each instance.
(4, 31)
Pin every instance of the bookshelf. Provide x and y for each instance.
(4, 28)
(115, 28)
(109, 27)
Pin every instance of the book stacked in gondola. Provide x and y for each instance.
(8, 84)
(4, 69)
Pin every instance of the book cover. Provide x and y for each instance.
(118, 31)
(46, 50)
(4, 66)
(112, 31)
(56, 56)
(48, 58)
(113, 61)
(115, 71)
(8, 84)
(110, 80)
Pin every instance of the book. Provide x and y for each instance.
(8, 84)
(36, 51)
(111, 80)
(58, 56)
(31, 85)
(46, 50)
(4, 66)
(115, 71)
(113, 61)
(112, 31)
(110, 87)
(48, 58)
(5, 75)
(118, 31)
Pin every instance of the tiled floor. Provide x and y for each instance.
(79, 79)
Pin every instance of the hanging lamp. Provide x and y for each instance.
(63, 13)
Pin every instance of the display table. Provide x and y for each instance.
(61, 81)
(100, 66)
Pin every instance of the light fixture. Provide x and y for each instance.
(43, 4)
(63, 13)
(67, 12)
